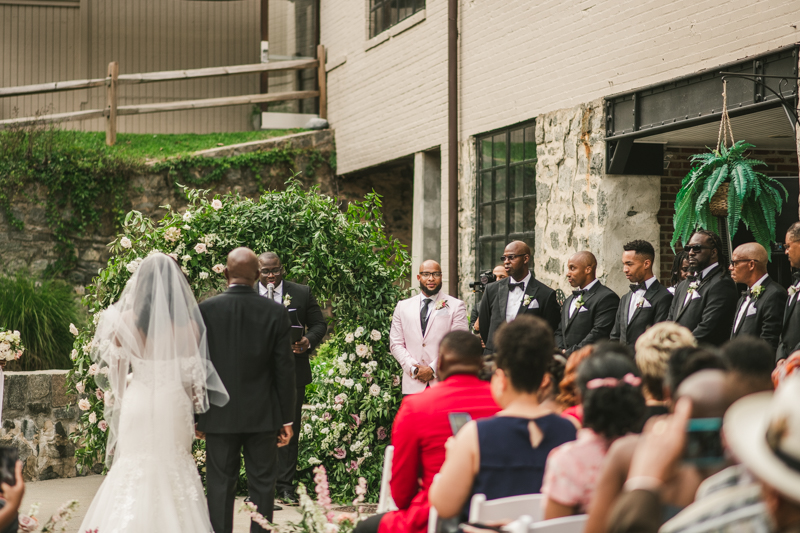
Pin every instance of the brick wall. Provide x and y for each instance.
(780, 163)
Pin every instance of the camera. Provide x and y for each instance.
(483, 280)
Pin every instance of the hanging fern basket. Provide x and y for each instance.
(719, 202)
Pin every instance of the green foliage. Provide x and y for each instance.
(41, 310)
(346, 259)
(753, 197)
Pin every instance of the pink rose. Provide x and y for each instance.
(216, 204)
(200, 248)
(218, 268)
(27, 523)
(326, 416)
(356, 418)
(339, 453)
(395, 381)
(99, 394)
(102, 425)
(381, 433)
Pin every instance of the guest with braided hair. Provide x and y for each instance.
(705, 302)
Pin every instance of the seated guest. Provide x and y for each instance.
(613, 406)
(653, 350)
(570, 396)
(686, 361)
(749, 364)
(505, 455)
(422, 426)
(549, 391)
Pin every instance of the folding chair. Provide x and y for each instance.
(385, 501)
(488, 511)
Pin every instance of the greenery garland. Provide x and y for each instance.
(346, 259)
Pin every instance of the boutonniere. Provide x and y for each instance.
(287, 300)
(579, 302)
(640, 303)
(792, 290)
(755, 292)
(441, 304)
(527, 300)
(693, 286)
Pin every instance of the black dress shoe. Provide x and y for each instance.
(286, 497)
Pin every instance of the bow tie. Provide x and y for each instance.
(696, 277)
(746, 293)
(638, 286)
(514, 286)
(578, 293)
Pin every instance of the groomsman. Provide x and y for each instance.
(519, 293)
(418, 325)
(304, 311)
(705, 302)
(759, 312)
(648, 301)
(790, 335)
(589, 314)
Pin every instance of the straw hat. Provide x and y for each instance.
(763, 431)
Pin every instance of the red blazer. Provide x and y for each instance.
(420, 430)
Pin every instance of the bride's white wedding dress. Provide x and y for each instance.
(150, 348)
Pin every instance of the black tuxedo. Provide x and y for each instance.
(710, 316)
(767, 320)
(626, 331)
(589, 324)
(790, 332)
(249, 345)
(493, 307)
(310, 317)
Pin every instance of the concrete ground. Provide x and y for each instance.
(51, 494)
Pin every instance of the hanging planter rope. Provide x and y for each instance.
(719, 202)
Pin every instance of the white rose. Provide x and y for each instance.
(330, 372)
(93, 370)
(325, 431)
(84, 405)
(349, 338)
(307, 428)
(73, 329)
(203, 275)
(375, 335)
(132, 266)
(216, 204)
(337, 407)
(352, 357)
(200, 248)
(73, 354)
(359, 387)
(348, 383)
(125, 242)
(187, 216)
(92, 418)
(337, 379)
(186, 258)
(361, 350)
(359, 332)
(80, 387)
(374, 389)
(314, 461)
(219, 269)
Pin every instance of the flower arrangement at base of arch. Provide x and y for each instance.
(350, 265)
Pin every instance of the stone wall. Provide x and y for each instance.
(38, 417)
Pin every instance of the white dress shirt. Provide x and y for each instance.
(703, 274)
(277, 292)
(515, 297)
(746, 303)
(572, 304)
(638, 296)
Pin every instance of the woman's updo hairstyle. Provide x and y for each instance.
(525, 349)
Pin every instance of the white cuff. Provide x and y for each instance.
(289, 424)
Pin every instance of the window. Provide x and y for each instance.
(383, 14)
(506, 191)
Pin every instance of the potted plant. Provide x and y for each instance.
(724, 183)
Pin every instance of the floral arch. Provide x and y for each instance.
(346, 259)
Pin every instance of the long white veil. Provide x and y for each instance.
(156, 333)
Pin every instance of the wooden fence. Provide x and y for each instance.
(114, 80)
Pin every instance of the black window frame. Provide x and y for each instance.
(383, 14)
(504, 192)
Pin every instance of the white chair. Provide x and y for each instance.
(385, 500)
(566, 524)
(488, 511)
(433, 518)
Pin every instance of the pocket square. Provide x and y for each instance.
(751, 310)
(443, 311)
(695, 295)
(534, 304)
(583, 310)
(645, 303)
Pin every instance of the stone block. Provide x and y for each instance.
(59, 397)
(38, 408)
(14, 392)
(39, 388)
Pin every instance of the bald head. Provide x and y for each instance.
(708, 391)
(748, 263)
(460, 352)
(517, 259)
(581, 269)
(430, 277)
(430, 266)
(242, 267)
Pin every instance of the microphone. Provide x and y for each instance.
(271, 291)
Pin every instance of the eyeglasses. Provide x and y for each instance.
(511, 257)
(437, 275)
(696, 248)
(274, 271)
(733, 263)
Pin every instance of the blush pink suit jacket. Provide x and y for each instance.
(407, 343)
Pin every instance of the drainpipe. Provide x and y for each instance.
(452, 143)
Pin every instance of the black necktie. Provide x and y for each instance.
(578, 293)
(514, 286)
(638, 286)
(423, 314)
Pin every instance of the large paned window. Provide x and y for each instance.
(506, 191)
(383, 14)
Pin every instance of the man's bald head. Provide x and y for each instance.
(460, 352)
(242, 267)
(517, 259)
(581, 269)
(585, 259)
(430, 266)
(430, 277)
(708, 391)
(748, 263)
(519, 247)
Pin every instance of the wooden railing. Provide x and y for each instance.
(114, 80)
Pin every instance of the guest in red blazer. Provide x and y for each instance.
(422, 426)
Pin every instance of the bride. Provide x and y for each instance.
(154, 373)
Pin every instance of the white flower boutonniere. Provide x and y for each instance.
(441, 304)
(755, 292)
(579, 302)
(693, 286)
(287, 300)
(527, 301)
(792, 290)
(640, 303)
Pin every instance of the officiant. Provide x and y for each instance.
(305, 312)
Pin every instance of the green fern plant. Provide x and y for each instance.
(753, 197)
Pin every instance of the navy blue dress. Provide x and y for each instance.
(510, 466)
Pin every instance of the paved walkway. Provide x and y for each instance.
(51, 494)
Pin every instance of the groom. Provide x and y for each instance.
(249, 345)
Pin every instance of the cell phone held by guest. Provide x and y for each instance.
(457, 421)
(704, 442)
(8, 463)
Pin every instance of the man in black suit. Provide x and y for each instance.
(302, 304)
(589, 314)
(648, 301)
(759, 312)
(519, 293)
(249, 345)
(790, 333)
(705, 302)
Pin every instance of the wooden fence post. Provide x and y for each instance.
(323, 83)
(111, 106)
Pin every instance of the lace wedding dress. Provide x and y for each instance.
(155, 375)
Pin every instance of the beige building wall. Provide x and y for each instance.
(45, 44)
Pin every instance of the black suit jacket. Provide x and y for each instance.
(627, 332)
(591, 325)
(310, 317)
(249, 345)
(790, 333)
(710, 316)
(767, 321)
(493, 307)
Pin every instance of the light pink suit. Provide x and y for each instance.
(407, 343)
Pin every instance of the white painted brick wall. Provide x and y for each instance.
(521, 58)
